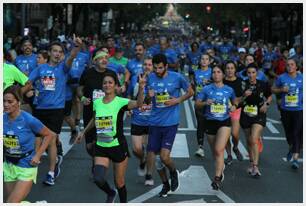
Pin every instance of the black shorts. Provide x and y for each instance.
(246, 121)
(68, 106)
(51, 118)
(212, 126)
(116, 154)
(139, 130)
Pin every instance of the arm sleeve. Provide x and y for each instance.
(35, 124)
(34, 74)
(19, 76)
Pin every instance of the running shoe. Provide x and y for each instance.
(250, 169)
(289, 156)
(111, 197)
(142, 170)
(164, 191)
(174, 180)
(260, 144)
(200, 152)
(295, 164)
(49, 180)
(229, 160)
(57, 169)
(74, 134)
(59, 148)
(216, 184)
(149, 180)
(238, 154)
(255, 171)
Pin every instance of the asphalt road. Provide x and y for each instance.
(278, 183)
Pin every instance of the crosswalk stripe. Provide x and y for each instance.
(242, 150)
(272, 128)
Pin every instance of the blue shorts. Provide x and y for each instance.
(161, 137)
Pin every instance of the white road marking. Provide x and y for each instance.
(193, 181)
(273, 121)
(180, 147)
(299, 160)
(242, 150)
(201, 200)
(190, 124)
(274, 138)
(272, 128)
(64, 138)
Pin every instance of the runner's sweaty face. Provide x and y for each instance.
(230, 70)
(27, 48)
(160, 69)
(10, 103)
(252, 74)
(217, 75)
(109, 85)
(291, 66)
(56, 54)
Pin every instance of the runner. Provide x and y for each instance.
(235, 83)
(165, 87)
(216, 99)
(111, 145)
(21, 159)
(140, 126)
(27, 61)
(255, 102)
(89, 90)
(173, 61)
(51, 100)
(201, 78)
(290, 86)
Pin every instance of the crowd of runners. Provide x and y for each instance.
(100, 81)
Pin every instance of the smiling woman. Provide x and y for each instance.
(21, 159)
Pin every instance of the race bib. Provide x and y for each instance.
(48, 83)
(11, 144)
(104, 124)
(218, 109)
(251, 110)
(97, 93)
(145, 109)
(161, 98)
(291, 100)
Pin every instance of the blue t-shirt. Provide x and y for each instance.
(204, 46)
(225, 50)
(79, 63)
(140, 116)
(117, 68)
(19, 136)
(268, 58)
(293, 100)
(221, 96)
(260, 75)
(134, 66)
(26, 64)
(171, 57)
(194, 59)
(200, 76)
(51, 87)
(164, 89)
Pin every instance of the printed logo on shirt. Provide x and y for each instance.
(48, 83)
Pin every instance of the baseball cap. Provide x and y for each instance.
(241, 50)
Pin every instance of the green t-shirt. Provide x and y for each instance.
(12, 74)
(122, 61)
(109, 121)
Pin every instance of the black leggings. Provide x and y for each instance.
(293, 126)
(200, 126)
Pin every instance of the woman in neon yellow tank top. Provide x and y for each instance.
(111, 144)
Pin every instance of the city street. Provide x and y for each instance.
(278, 183)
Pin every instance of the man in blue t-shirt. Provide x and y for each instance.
(173, 62)
(164, 88)
(27, 61)
(51, 99)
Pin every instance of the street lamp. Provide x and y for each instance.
(208, 8)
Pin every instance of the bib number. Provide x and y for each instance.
(194, 67)
(251, 110)
(218, 109)
(161, 98)
(104, 124)
(11, 144)
(97, 93)
(291, 100)
(145, 110)
(48, 83)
